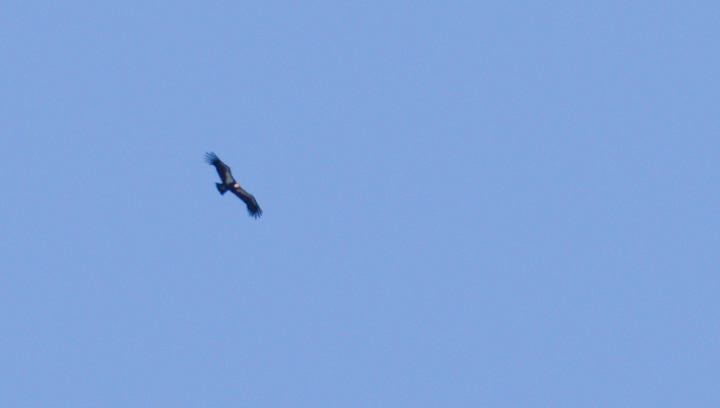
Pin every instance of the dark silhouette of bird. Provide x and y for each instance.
(229, 183)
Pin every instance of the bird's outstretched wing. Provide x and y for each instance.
(252, 205)
(222, 168)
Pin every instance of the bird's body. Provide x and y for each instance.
(229, 183)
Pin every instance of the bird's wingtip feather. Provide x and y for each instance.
(211, 158)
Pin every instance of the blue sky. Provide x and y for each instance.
(465, 204)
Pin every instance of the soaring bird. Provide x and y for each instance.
(229, 183)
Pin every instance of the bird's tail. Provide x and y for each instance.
(221, 188)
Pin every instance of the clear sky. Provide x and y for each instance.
(466, 204)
